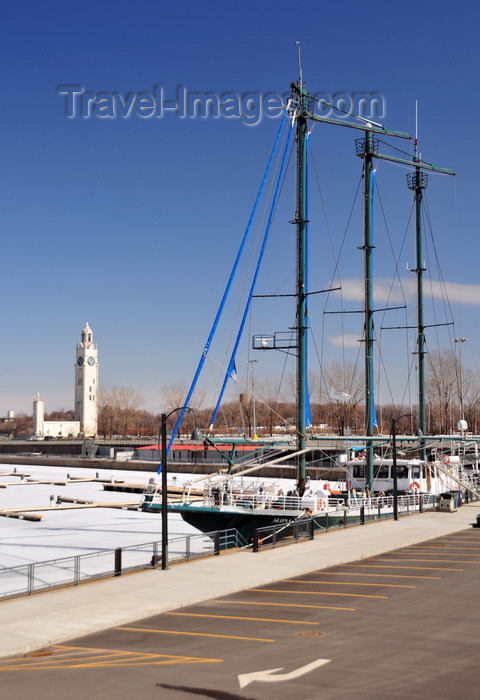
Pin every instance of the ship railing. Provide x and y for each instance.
(407, 502)
(340, 514)
(34, 577)
(253, 500)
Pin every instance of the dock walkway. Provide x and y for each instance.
(33, 623)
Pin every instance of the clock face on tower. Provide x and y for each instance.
(91, 361)
(80, 361)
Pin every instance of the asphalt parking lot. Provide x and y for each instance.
(403, 623)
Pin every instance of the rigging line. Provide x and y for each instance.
(383, 366)
(292, 274)
(251, 265)
(390, 241)
(231, 367)
(412, 369)
(229, 283)
(445, 299)
(399, 150)
(244, 387)
(396, 273)
(395, 277)
(436, 390)
(322, 202)
(216, 380)
(336, 272)
(336, 256)
(420, 161)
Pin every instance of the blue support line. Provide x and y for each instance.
(308, 412)
(228, 287)
(231, 364)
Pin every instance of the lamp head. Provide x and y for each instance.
(197, 434)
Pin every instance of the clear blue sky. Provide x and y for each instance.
(132, 223)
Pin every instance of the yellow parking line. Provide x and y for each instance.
(439, 561)
(445, 546)
(350, 595)
(193, 634)
(357, 573)
(65, 657)
(235, 617)
(351, 583)
(286, 605)
(421, 568)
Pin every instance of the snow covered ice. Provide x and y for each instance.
(63, 533)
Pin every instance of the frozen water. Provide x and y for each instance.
(63, 533)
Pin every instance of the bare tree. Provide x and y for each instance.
(441, 387)
(346, 390)
(471, 396)
(118, 409)
(130, 400)
(174, 395)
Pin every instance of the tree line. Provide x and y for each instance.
(452, 393)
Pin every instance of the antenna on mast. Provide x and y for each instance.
(299, 56)
(416, 130)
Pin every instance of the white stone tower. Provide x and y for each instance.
(86, 383)
(38, 416)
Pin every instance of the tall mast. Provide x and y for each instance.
(305, 104)
(368, 184)
(301, 288)
(418, 182)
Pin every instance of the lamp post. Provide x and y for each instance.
(461, 423)
(196, 435)
(394, 459)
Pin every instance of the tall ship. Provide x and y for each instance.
(365, 479)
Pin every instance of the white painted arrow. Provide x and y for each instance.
(268, 677)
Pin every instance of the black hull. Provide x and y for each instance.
(244, 523)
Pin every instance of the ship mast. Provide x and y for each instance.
(301, 286)
(370, 421)
(305, 106)
(418, 181)
(367, 148)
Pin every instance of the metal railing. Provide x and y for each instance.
(343, 514)
(26, 579)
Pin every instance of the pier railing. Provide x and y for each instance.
(26, 579)
(34, 577)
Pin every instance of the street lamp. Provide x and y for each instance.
(393, 432)
(196, 435)
(461, 423)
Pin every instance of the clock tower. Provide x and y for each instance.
(86, 383)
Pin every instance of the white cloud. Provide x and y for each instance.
(457, 293)
(345, 341)
(405, 290)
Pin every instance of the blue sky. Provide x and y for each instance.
(132, 223)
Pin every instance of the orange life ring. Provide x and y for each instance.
(446, 459)
(414, 486)
(322, 504)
